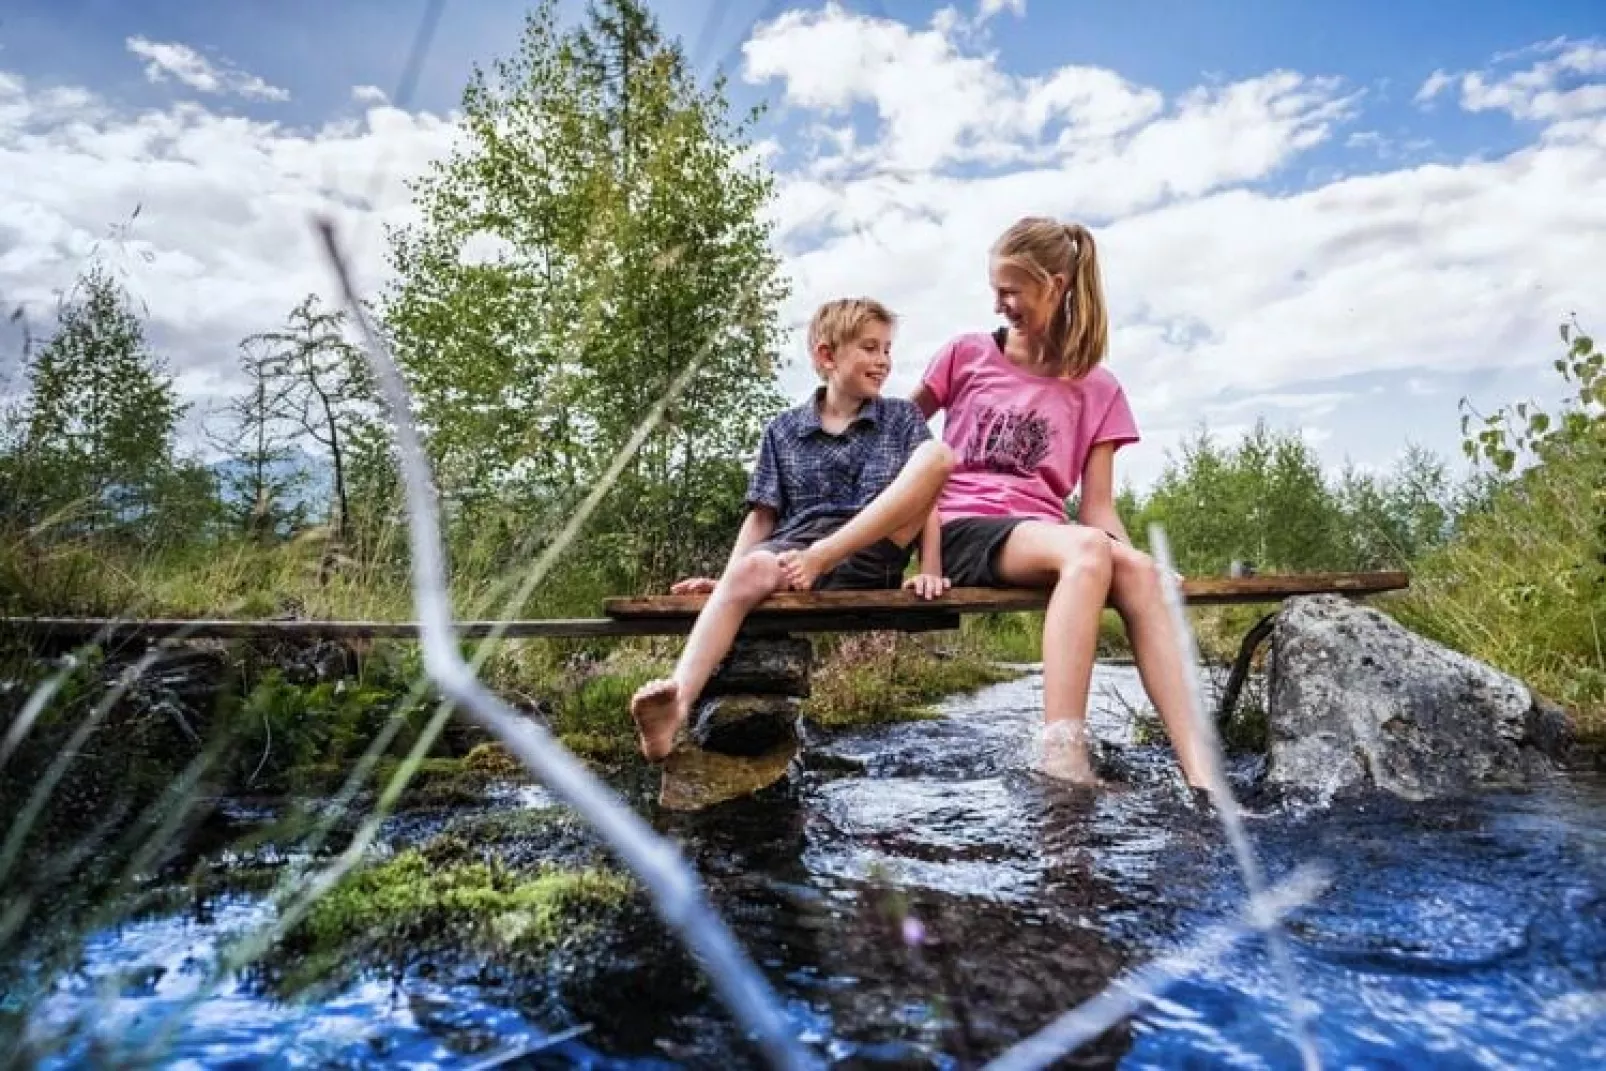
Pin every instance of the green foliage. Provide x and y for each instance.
(1523, 584)
(1267, 501)
(598, 230)
(322, 386)
(95, 452)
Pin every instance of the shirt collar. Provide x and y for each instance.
(809, 420)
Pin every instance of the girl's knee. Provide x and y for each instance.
(1085, 552)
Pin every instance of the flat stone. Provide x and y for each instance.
(779, 665)
(744, 724)
(694, 779)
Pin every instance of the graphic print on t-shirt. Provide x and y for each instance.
(1013, 441)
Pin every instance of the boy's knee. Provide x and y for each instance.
(940, 455)
(756, 575)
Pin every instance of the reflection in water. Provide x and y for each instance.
(919, 898)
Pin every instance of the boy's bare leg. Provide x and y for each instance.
(1075, 561)
(896, 513)
(660, 707)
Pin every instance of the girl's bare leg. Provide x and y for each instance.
(1075, 563)
(1136, 593)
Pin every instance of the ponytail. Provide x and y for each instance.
(1079, 332)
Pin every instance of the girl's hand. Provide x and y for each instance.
(927, 585)
(693, 585)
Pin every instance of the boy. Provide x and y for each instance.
(843, 485)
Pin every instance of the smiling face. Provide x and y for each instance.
(1025, 301)
(857, 369)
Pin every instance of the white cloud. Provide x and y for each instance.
(988, 8)
(369, 95)
(1229, 298)
(169, 59)
(1219, 287)
(223, 244)
(1551, 88)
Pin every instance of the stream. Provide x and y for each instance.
(921, 899)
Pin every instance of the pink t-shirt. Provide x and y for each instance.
(1020, 440)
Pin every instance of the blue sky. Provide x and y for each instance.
(1294, 226)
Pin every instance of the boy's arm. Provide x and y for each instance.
(931, 544)
(757, 526)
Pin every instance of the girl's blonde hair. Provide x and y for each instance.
(1079, 333)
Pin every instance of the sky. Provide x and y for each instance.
(1341, 219)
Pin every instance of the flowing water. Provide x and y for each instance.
(921, 899)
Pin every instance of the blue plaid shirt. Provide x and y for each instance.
(806, 474)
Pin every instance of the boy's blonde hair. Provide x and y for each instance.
(839, 322)
(1080, 331)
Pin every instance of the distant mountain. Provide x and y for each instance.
(313, 491)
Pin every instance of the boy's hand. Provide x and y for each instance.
(693, 585)
(927, 585)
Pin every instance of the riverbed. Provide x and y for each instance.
(920, 898)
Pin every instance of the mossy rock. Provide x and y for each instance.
(568, 943)
(495, 760)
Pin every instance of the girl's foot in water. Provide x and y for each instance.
(1062, 753)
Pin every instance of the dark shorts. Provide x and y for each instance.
(970, 549)
(880, 565)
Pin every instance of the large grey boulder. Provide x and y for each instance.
(1357, 701)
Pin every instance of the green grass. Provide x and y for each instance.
(877, 677)
(1522, 588)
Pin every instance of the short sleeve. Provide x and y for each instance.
(939, 377)
(764, 487)
(1118, 426)
(915, 430)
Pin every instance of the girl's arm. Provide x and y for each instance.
(925, 400)
(1097, 507)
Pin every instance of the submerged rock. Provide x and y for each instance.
(1355, 701)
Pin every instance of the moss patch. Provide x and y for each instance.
(417, 904)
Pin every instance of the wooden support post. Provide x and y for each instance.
(1241, 665)
(743, 734)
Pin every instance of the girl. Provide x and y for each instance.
(1032, 415)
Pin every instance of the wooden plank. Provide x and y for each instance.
(670, 615)
(1200, 591)
(115, 631)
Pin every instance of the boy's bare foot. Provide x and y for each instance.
(803, 568)
(1062, 753)
(657, 712)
